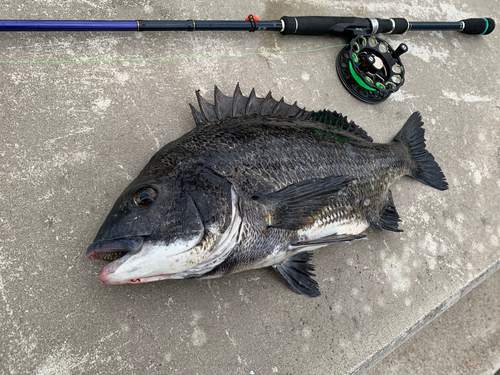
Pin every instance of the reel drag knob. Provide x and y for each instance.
(370, 69)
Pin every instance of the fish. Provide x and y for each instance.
(257, 183)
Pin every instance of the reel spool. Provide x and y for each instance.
(370, 69)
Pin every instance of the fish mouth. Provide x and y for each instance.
(112, 250)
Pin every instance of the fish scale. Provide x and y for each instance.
(328, 157)
(253, 154)
(257, 183)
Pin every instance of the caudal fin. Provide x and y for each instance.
(426, 169)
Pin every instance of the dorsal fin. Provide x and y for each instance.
(238, 105)
(336, 119)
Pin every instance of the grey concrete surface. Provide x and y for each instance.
(464, 340)
(82, 113)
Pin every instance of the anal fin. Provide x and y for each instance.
(389, 217)
(297, 272)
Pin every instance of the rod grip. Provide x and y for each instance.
(478, 26)
(401, 25)
(317, 25)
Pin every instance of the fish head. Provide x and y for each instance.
(161, 229)
(151, 225)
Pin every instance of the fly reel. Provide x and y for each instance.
(370, 69)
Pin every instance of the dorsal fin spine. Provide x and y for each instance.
(292, 111)
(277, 107)
(301, 112)
(250, 100)
(262, 109)
(199, 118)
(217, 94)
(238, 105)
(237, 96)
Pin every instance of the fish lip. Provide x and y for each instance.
(126, 247)
(130, 245)
(106, 276)
(106, 273)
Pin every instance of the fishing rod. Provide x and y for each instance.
(368, 66)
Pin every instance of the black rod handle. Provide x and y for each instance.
(316, 25)
(338, 26)
(478, 26)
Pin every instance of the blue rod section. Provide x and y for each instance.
(188, 25)
(56, 25)
(192, 25)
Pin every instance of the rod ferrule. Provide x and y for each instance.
(375, 25)
(393, 26)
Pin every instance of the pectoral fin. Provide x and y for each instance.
(327, 240)
(294, 206)
(296, 271)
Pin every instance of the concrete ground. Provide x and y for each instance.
(465, 339)
(82, 113)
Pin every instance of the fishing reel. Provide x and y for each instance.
(370, 69)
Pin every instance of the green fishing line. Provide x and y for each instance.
(170, 57)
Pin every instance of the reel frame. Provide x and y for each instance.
(370, 69)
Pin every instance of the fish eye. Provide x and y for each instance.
(145, 197)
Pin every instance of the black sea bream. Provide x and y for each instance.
(257, 183)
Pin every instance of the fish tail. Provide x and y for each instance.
(425, 169)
